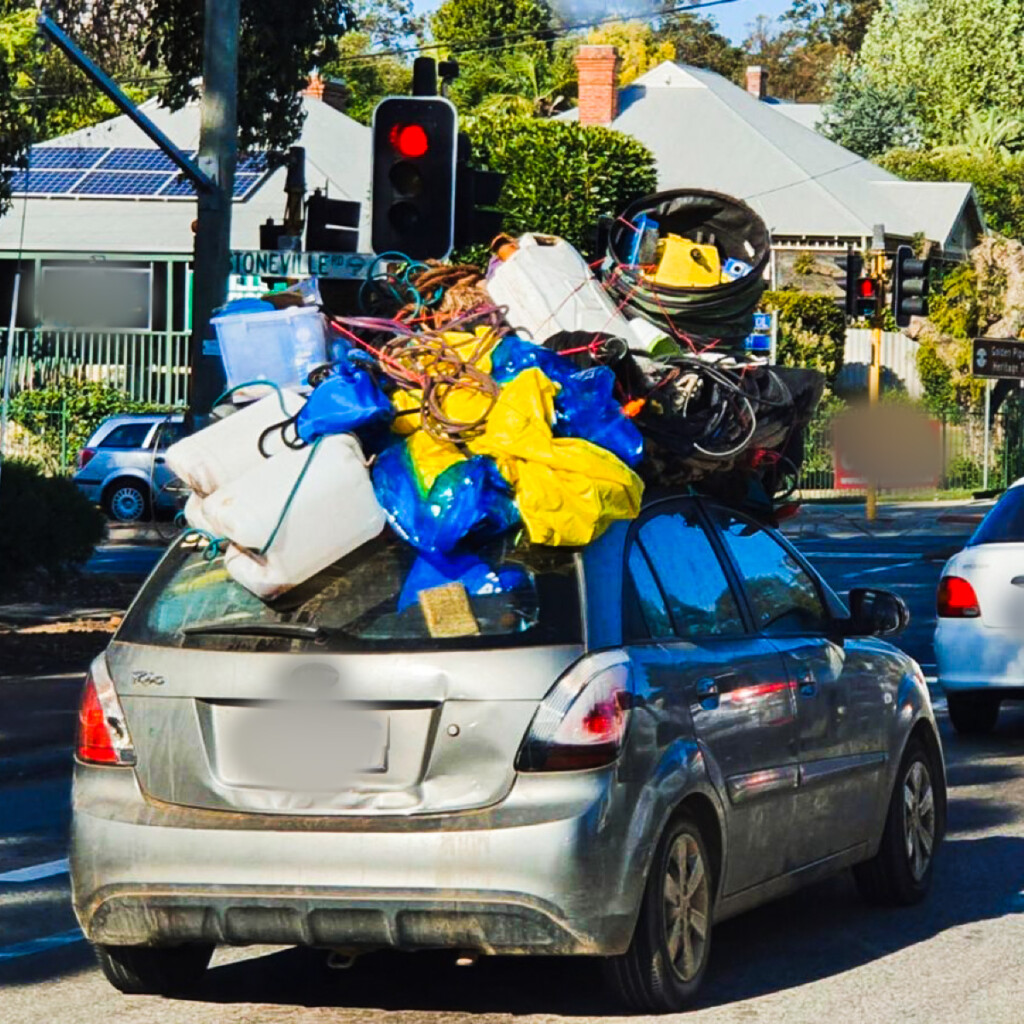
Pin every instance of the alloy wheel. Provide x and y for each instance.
(687, 895)
(918, 819)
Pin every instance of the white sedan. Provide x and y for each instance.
(979, 637)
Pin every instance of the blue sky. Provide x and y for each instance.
(732, 18)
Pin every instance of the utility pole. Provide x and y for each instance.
(218, 152)
(875, 371)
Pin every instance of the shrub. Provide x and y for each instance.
(560, 176)
(71, 409)
(812, 331)
(45, 522)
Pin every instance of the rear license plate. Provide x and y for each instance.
(310, 747)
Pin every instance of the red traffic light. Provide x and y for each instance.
(866, 288)
(409, 140)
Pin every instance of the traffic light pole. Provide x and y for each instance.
(875, 370)
(218, 152)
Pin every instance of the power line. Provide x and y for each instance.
(469, 45)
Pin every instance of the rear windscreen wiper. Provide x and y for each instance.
(288, 630)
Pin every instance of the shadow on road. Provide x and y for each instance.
(821, 932)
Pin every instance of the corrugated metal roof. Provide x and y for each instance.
(337, 161)
(706, 132)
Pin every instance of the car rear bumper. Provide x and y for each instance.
(971, 656)
(534, 875)
(91, 489)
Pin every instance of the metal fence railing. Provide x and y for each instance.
(149, 366)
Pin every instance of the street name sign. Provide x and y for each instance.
(998, 357)
(350, 266)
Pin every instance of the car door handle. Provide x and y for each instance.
(1017, 581)
(707, 693)
(159, 460)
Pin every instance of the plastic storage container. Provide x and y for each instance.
(282, 345)
(333, 511)
(228, 448)
(548, 287)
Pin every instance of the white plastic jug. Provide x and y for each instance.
(225, 450)
(195, 517)
(548, 287)
(333, 511)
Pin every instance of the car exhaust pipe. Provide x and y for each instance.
(338, 960)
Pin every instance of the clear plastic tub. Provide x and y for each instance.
(281, 345)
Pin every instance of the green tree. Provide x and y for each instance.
(812, 331)
(367, 81)
(280, 43)
(561, 177)
(697, 42)
(473, 23)
(867, 118)
(958, 56)
(640, 47)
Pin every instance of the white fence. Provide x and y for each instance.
(899, 358)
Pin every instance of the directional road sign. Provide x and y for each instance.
(998, 357)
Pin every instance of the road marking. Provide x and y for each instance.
(36, 871)
(880, 568)
(863, 556)
(34, 946)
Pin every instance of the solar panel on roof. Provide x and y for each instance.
(120, 183)
(179, 188)
(138, 159)
(65, 157)
(244, 185)
(44, 183)
(254, 163)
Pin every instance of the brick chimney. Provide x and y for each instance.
(330, 91)
(757, 81)
(598, 68)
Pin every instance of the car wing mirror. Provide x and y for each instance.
(876, 613)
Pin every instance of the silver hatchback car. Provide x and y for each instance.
(122, 466)
(528, 750)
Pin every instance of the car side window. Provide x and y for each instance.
(167, 434)
(127, 435)
(783, 596)
(686, 570)
(647, 615)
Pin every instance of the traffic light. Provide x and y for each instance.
(476, 195)
(414, 150)
(853, 264)
(909, 286)
(869, 297)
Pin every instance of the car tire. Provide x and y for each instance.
(154, 970)
(900, 874)
(973, 714)
(656, 973)
(127, 501)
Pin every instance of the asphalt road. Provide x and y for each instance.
(818, 956)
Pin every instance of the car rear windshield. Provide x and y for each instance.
(1004, 523)
(382, 597)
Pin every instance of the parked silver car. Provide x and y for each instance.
(122, 467)
(598, 752)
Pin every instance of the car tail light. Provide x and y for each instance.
(102, 730)
(956, 599)
(84, 457)
(582, 721)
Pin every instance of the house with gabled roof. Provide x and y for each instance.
(707, 132)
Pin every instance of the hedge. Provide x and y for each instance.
(560, 176)
(45, 522)
(812, 331)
